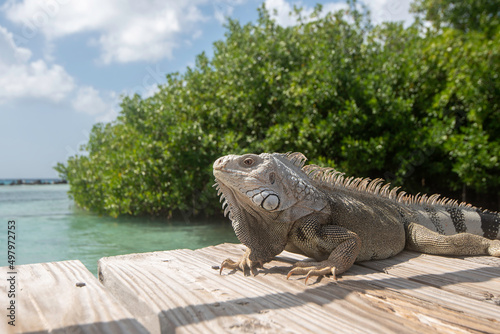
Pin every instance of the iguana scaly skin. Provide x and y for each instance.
(276, 203)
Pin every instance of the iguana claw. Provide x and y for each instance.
(227, 263)
(312, 269)
(242, 265)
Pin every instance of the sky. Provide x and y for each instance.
(65, 64)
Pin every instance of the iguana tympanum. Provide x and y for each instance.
(276, 203)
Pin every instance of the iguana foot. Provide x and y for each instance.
(313, 269)
(494, 248)
(242, 264)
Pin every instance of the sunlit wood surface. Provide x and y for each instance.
(62, 297)
(181, 291)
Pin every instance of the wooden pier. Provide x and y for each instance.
(181, 291)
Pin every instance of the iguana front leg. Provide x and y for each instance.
(340, 245)
(242, 264)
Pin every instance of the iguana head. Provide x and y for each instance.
(267, 183)
(265, 193)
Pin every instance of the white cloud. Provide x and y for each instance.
(88, 100)
(381, 10)
(332, 7)
(150, 91)
(126, 30)
(225, 8)
(390, 10)
(221, 12)
(280, 12)
(22, 78)
(11, 53)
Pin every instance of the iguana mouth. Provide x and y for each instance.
(230, 171)
(221, 171)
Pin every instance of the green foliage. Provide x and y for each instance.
(418, 106)
(464, 15)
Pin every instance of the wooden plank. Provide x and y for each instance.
(178, 291)
(442, 310)
(489, 260)
(478, 280)
(337, 301)
(61, 297)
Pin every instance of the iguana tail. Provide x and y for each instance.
(453, 219)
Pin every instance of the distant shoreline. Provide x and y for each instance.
(20, 182)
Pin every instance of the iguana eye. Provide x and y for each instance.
(248, 162)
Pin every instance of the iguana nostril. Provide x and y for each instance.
(219, 163)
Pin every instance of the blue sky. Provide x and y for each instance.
(65, 63)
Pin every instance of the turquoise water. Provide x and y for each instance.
(49, 227)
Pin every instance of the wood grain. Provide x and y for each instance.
(179, 291)
(48, 300)
(477, 280)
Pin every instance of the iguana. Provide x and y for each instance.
(276, 203)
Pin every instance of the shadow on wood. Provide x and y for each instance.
(178, 291)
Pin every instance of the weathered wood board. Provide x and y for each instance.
(468, 278)
(179, 291)
(61, 297)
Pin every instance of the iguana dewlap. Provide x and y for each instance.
(276, 203)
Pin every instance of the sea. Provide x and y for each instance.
(50, 227)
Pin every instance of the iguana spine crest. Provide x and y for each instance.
(335, 179)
